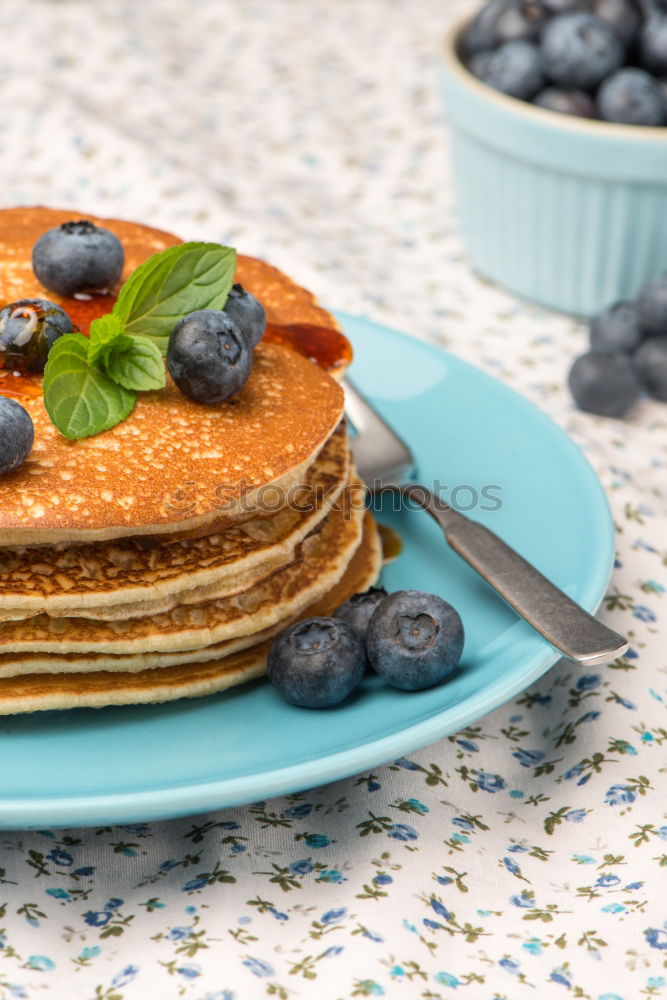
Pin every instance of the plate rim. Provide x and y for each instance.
(181, 800)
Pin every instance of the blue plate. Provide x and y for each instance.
(492, 452)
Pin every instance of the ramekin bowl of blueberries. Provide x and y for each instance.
(558, 123)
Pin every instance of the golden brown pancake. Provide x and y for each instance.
(173, 465)
(127, 578)
(42, 691)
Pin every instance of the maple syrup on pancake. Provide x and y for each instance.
(392, 543)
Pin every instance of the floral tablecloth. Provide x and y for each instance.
(525, 856)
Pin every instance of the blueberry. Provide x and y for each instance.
(604, 383)
(653, 44)
(247, 312)
(503, 21)
(616, 329)
(28, 330)
(358, 609)
(17, 434)
(579, 50)
(650, 363)
(208, 357)
(652, 306)
(414, 640)
(317, 662)
(78, 257)
(567, 102)
(514, 68)
(634, 97)
(622, 15)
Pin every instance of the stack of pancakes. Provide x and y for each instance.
(157, 560)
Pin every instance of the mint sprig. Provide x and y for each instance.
(90, 383)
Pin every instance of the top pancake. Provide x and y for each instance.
(173, 464)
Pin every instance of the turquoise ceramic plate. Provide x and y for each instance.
(484, 444)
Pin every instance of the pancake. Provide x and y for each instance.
(320, 561)
(128, 578)
(173, 465)
(43, 691)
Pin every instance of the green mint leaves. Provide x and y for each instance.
(172, 284)
(90, 383)
(78, 396)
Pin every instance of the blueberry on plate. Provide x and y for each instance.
(28, 330)
(604, 383)
(17, 435)
(579, 50)
(247, 312)
(316, 663)
(567, 102)
(616, 329)
(650, 363)
(632, 96)
(514, 68)
(414, 639)
(357, 610)
(653, 44)
(78, 257)
(208, 357)
(652, 306)
(503, 21)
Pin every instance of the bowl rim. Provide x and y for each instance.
(550, 119)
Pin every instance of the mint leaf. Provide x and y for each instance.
(78, 397)
(171, 284)
(138, 365)
(106, 334)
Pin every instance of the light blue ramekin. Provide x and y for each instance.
(567, 212)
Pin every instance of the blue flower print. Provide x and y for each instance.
(619, 795)
(510, 965)
(113, 904)
(383, 879)
(126, 976)
(468, 745)
(258, 967)
(406, 764)
(590, 717)
(177, 933)
(278, 914)
(656, 938)
(573, 772)
(441, 910)
(238, 848)
(331, 952)
(575, 815)
(522, 900)
(92, 952)
(333, 916)
(644, 614)
(447, 979)
(511, 866)
(298, 811)
(490, 782)
(588, 682)
(230, 825)
(60, 858)
(194, 884)
(97, 918)
(41, 963)
(533, 947)
(432, 924)
(606, 881)
(527, 758)
(317, 840)
(560, 976)
(58, 893)
(662, 833)
(332, 875)
(402, 831)
(189, 970)
(465, 824)
(417, 806)
(166, 866)
(83, 872)
(633, 885)
(301, 867)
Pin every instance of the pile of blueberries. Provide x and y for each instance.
(412, 639)
(628, 354)
(603, 59)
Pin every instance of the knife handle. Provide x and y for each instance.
(575, 634)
